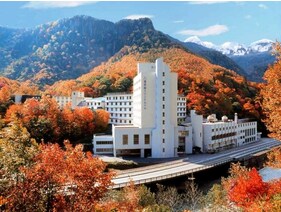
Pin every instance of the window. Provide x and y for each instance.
(163, 131)
(146, 139)
(125, 139)
(104, 142)
(136, 139)
(163, 149)
(163, 106)
(163, 114)
(163, 98)
(163, 82)
(163, 74)
(163, 90)
(163, 141)
(104, 150)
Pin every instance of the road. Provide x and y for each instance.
(190, 164)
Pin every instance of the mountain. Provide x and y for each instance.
(253, 59)
(68, 48)
(202, 49)
(195, 39)
(264, 45)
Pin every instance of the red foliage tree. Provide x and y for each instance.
(60, 180)
(246, 189)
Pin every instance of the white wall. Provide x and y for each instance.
(106, 147)
(165, 134)
(119, 131)
(197, 128)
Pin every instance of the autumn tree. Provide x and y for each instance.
(45, 121)
(131, 198)
(271, 95)
(60, 180)
(5, 96)
(246, 189)
(101, 120)
(17, 149)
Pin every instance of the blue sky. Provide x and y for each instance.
(217, 22)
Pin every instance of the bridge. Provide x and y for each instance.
(190, 164)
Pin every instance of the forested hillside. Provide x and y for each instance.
(209, 88)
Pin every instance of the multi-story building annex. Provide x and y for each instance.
(216, 135)
(120, 108)
(74, 100)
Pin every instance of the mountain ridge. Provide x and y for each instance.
(254, 59)
(70, 47)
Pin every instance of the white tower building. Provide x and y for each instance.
(156, 109)
(164, 134)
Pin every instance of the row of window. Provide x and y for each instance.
(223, 128)
(120, 121)
(119, 103)
(181, 109)
(249, 132)
(125, 139)
(93, 103)
(120, 115)
(222, 144)
(181, 99)
(118, 109)
(110, 150)
(118, 97)
(215, 137)
(104, 142)
(247, 140)
(247, 124)
(181, 114)
(181, 104)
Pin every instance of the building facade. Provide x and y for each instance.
(118, 105)
(216, 135)
(149, 116)
(120, 108)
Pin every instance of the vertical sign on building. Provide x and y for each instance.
(144, 93)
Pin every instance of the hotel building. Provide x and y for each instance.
(149, 117)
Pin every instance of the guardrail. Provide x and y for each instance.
(172, 175)
(206, 164)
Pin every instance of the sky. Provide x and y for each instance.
(217, 22)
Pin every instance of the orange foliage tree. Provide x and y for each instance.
(246, 189)
(60, 180)
(44, 120)
(271, 95)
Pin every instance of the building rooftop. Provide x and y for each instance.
(102, 99)
(119, 93)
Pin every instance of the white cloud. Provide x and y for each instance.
(207, 2)
(178, 21)
(211, 30)
(138, 16)
(54, 4)
(248, 17)
(263, 6)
